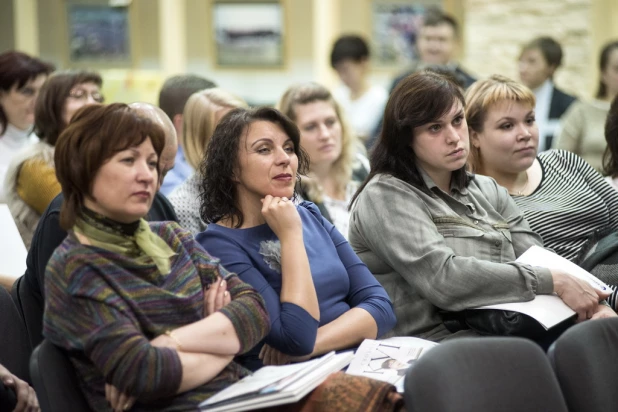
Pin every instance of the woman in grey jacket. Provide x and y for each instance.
(436, 237)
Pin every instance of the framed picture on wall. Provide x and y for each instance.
(248, 34)
(395, 29)
(98, 34)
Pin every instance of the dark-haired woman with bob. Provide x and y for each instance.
(436, 237)
(154, 320)
(31, 183)
(319, 295)
(21, 78)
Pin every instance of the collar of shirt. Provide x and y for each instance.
(431, 185)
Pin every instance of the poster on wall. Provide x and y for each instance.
(98, 33)
(395, 30)
(248, 34)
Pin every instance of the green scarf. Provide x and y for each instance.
(134, 240)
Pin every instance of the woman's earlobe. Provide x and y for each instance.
(474, 138)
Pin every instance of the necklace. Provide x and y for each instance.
(521, 191)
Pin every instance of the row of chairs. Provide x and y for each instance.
(578, 374)
(486, 374)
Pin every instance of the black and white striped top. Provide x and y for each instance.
(572, 201)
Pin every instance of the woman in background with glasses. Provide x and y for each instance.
(30, 183)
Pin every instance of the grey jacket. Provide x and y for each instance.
(432, 251)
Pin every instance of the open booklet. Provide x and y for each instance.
(388, 359)
(549, 310)
(277, 385)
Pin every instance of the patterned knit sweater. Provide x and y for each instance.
(104, 308)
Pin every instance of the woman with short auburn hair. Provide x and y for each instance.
(31, 182)
(436, 237)
(202, 113)
(319, 295)
(155, 320)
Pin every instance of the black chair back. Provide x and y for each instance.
(14, 344)
(31, 310)
(483, 374)
(55, 380)
(585, 359)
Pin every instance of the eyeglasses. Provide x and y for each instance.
(81, 94)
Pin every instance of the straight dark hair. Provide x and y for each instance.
(420, 98)
(97, 133)
(218, 197)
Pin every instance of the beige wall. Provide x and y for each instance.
(7, 31)
(493, 32)
(496, 30)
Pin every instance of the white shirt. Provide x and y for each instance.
(546, 126)
(364, 113)
(12, 142)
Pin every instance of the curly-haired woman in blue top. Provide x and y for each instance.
(319, 295)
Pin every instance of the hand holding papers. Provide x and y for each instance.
(549, 310)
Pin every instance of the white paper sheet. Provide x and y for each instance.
(12, 249)
(549, 310)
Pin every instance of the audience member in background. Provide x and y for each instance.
(319, 295)
(581, 127)
(202, 113)
(437, 46)
(561, 196)
(538, 61)
(336, 167)
(172, 99)
(31, 183)
(21, 78)
(49, 235)
(363, 103)
(610, 157)
(436, 237)
(173, 346)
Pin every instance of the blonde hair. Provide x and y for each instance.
(198, 120)
(481, 96)
(342, 168)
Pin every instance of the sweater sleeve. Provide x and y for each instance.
(109, 339)
(407, 239)
(571, 129)
(365, 291)
(292, 329)
(37, 184)
(247, 310)
(598, 184)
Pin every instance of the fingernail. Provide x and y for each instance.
(225, 294)
(222, 284)
(126, 407)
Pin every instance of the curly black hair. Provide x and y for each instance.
(218, 195)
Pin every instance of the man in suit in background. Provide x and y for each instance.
(437, 43)
(538, 61)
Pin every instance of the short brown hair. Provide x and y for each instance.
(549, 48)
(95, 134)
(436, 17)
(48, 121)
(176, 91)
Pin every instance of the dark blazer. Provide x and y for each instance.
(47, 237)
(560, 102)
